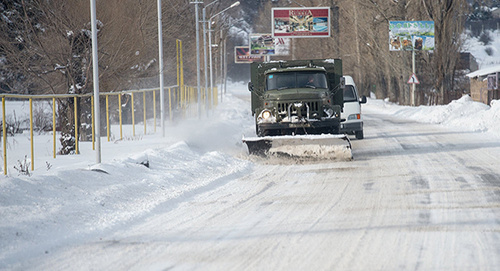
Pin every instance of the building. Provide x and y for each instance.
(484, 86)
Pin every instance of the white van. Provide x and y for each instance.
(353, 121)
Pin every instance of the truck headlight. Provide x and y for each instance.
(266, 117)
(266, 114)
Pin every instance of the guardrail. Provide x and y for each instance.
(179, 99)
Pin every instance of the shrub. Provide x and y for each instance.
(485, 38)
(489, 51)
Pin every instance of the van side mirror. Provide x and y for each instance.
(362, 100)
(250, 86)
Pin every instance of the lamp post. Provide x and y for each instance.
(210, 39)
(195, 2)
(205, 54)
(95, 69)
(161, 67)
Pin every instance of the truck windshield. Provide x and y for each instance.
(298, 79)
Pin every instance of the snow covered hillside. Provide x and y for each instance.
(486, 55)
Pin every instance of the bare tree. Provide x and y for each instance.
(51, 51)
(449, 18)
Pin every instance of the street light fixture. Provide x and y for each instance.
(210, 40)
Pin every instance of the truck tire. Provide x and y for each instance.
(359, 134)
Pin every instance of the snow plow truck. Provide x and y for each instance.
(297, 106)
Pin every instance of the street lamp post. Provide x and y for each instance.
(205, 54)
(197, 53)
(210, 40)
(95, 69)
(161, 68)
(221, 52)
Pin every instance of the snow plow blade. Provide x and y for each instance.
(301, 146)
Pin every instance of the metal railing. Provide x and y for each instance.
(179, 99)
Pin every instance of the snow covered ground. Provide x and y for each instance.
(464, 114)
(70, 199)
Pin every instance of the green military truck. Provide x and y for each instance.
(292, 100)
(297, 97)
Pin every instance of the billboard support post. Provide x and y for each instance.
(413, 71)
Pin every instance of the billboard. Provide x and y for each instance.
(411, 35)
(301, 22)
(265, 44)
(242, 55)
(261, 44)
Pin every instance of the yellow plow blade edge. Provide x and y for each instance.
(301, 146)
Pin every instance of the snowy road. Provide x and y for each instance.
(416, 197)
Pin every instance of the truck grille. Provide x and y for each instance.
(313, 108)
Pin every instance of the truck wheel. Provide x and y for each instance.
(359, 134)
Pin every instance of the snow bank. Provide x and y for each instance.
(76, 199)
(463, 113)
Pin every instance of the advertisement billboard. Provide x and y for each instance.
(261, 44)
(265, 44)
(411, 35)
(301, 22)
(242, 55)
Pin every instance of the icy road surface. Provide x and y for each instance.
(416, 197)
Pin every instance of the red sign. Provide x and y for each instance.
(301, 22)
(242, 55)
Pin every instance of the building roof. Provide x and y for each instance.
(484, 72)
